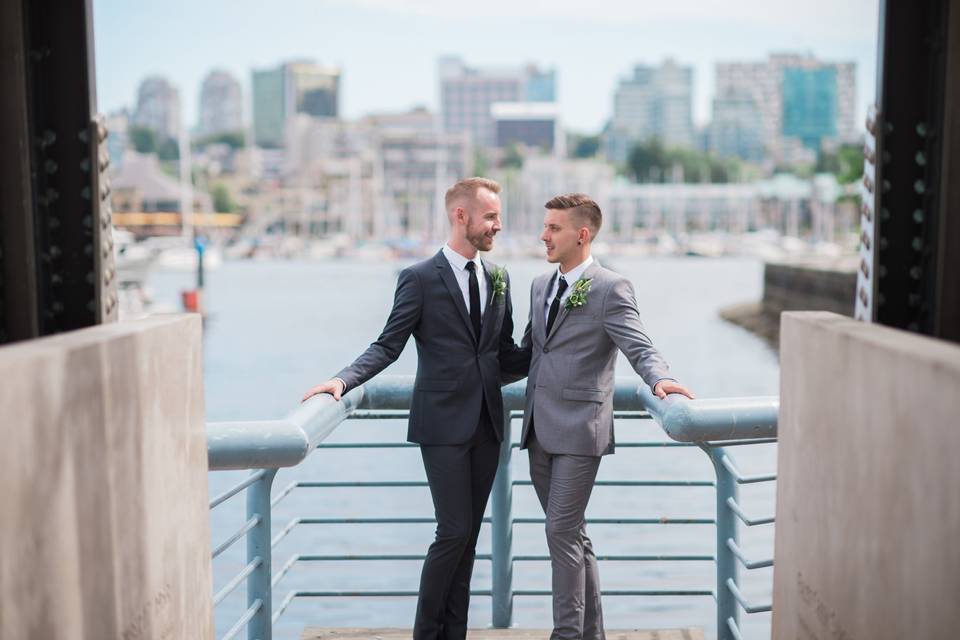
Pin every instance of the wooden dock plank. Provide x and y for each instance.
(318, 633)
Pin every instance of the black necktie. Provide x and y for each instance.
(474, 298)
(555, 305)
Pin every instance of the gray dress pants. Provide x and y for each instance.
(563, 484)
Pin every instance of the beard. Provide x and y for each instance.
(478, 238)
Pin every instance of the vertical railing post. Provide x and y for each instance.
(727, 607)
(259, 585)
(502, 534)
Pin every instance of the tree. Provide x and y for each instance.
(646, 157)
(512, 158)
(144, 139)
(234, 140)
(586, 146)
(168, 150)
(222, 199)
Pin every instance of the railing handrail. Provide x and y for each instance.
(287, 442)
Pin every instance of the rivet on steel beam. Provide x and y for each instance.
(881, 299)
(87, 222)
(914, 299)
(886, 157)
(92, 306)
(883, 243)
(920, 187)
(886, 186)
(57, 307)
(55, 251)
(85, 193)
(50, 166)
(915, 273)
(917, 244)
(88, 250)
(918, 215)
(53, 223)
(921, 158)
(46, 139)
(922, 129)
(884, 214)
(90, 277)
(56, 279)
(882, 271)
(85, 165)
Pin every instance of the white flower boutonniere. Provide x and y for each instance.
(497, 279)
(578, 295)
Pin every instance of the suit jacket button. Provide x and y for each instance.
(546, 350)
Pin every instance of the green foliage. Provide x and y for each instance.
(846, 163)
(168, 150)
(652, 162)
(585, 146)
(222, 199)
(480, 164)
(512, 158)
(234, 139)
(144, 139)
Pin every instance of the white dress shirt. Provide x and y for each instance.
(571, 276)
(459, 265)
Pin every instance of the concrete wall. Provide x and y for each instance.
(104, 530)
(868, 497)
(810, 285)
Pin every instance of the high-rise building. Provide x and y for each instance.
(467, 95)
(158, 107)
(531, 124)
(291, 88)
(221, 104)
(655, 102)
(736, 128)
(802, 101)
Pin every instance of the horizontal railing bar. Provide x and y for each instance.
(734, 629)
(487, 592)
(714, 419)
(310, 484)
(237, 579)
(223, 497)
(746, 606)
(487, 556)
(431, 520)
(244, 619)
(742, 479)
(633, 445)
(369, 445)
(374, 414)
(718, 444)
(250, 524)
(629, 558)
(738, 552)
(627, 521)
(625, 592)
(637, 483)
(750, 522)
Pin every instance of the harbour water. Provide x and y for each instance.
(276, 328)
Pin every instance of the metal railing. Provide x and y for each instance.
(713, 425)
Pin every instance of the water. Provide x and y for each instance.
(277, 328)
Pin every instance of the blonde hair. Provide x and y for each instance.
(583, 209)
(468, 187)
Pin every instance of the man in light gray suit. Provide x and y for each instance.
(458, 309)
(581, 314)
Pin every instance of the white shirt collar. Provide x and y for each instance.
(575, 274)
(459, 262)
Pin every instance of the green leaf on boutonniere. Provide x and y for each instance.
(497, 279)
(578, 294)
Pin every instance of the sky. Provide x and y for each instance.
(387, 49)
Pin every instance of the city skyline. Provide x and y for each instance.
(389, 71)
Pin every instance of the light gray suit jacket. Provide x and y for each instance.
(571, 380)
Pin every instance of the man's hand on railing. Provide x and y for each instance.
(334, 387)
(665, 387)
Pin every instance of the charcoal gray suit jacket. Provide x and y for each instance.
(456, 370)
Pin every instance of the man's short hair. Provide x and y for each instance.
(468, 187)
(584, 211)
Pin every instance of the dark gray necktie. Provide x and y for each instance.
(474, 298)
(555, 305)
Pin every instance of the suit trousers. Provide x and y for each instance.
(563, 484)
(460, 479)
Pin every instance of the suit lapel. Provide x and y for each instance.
(489, 314)
(450, 280)
(540, 302)
(561, 316)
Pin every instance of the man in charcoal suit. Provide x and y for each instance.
(581, 315)
(459, 310)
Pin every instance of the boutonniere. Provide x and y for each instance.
(497, 279)
(578, 295)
